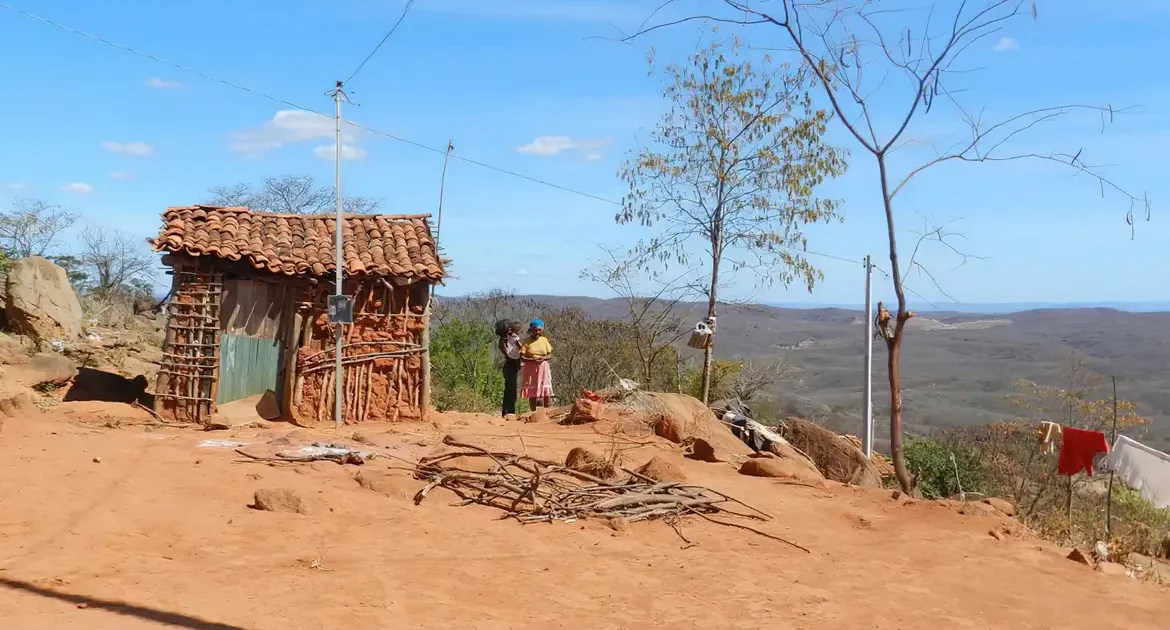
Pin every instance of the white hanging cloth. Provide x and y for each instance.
(1142, 468)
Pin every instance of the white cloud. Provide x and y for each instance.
(121, 175)
(140, 149)
(78, 188)
(349, 152)
(1006, 44)
(163, 84)
(522, 272)
(288, 126)
(548, 146)
(17, 186)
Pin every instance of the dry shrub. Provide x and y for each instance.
(1015, 468)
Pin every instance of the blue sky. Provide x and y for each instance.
(534, 87)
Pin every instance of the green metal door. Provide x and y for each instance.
(247, 366)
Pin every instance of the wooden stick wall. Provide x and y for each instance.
(382, 354)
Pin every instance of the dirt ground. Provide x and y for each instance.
(119, 525)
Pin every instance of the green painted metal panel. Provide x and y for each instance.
(247, 366)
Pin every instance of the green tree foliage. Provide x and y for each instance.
(464, 366)
(730, 174)
(938, 477)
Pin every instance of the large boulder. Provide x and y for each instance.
(40, 302)
(836, 458)
(683, 419)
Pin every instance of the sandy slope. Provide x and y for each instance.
(158, 534)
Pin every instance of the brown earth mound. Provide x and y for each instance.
(683, 419)
(836, 458)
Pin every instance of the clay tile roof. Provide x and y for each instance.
(297, 245)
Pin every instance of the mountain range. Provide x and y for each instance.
(958, 368)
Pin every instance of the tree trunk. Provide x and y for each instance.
(894, 342)
(712, 299)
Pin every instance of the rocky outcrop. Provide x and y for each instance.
(835, 457)
(40, 302)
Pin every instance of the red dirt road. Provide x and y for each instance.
(159, 535)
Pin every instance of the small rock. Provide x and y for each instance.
(660, 469)
(1008, 529)
(217, 423)
(540, 415)
(897, 495)
(586, 461)
(1003, 506)
(1076, 555)
(779, 469)
(279, 500)
(1112, 568)
(97, 460)
(1139, 561)
(978, 509)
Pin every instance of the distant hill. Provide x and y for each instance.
(957, 367)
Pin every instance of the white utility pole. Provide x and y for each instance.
(338, 258)
(867, 403)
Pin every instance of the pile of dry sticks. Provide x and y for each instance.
(531, 490)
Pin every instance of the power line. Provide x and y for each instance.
(373, 52)
(911, 290)
(372, 130)
(287, 103)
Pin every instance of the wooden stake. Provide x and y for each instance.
(1109, 495)
(423, 402)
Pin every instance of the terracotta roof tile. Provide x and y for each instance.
(383, 245)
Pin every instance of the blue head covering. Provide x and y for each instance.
(537, 323)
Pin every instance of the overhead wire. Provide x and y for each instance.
(373, 52)
(288, 103)
(366, 128)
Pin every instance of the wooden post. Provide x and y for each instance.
(424, 395)
(1109, 495)
(162, 385)
(291, 345)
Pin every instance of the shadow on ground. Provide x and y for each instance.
(130, 610)
(91, 384)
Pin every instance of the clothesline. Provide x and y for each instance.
(1145, 469)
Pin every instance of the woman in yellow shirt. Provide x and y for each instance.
(536, 374)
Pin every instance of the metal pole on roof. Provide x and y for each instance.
(338, 258)
(867, 402)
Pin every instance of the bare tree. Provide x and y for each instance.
(116, 261)
(288, 194)
(655, 320)
(31, 227)
(730, 172)
(854, 48)
(755, 377)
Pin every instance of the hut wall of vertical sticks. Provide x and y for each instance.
(247, 314)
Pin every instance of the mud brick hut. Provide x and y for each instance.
(247, 313)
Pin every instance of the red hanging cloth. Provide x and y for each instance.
(1078, 449)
